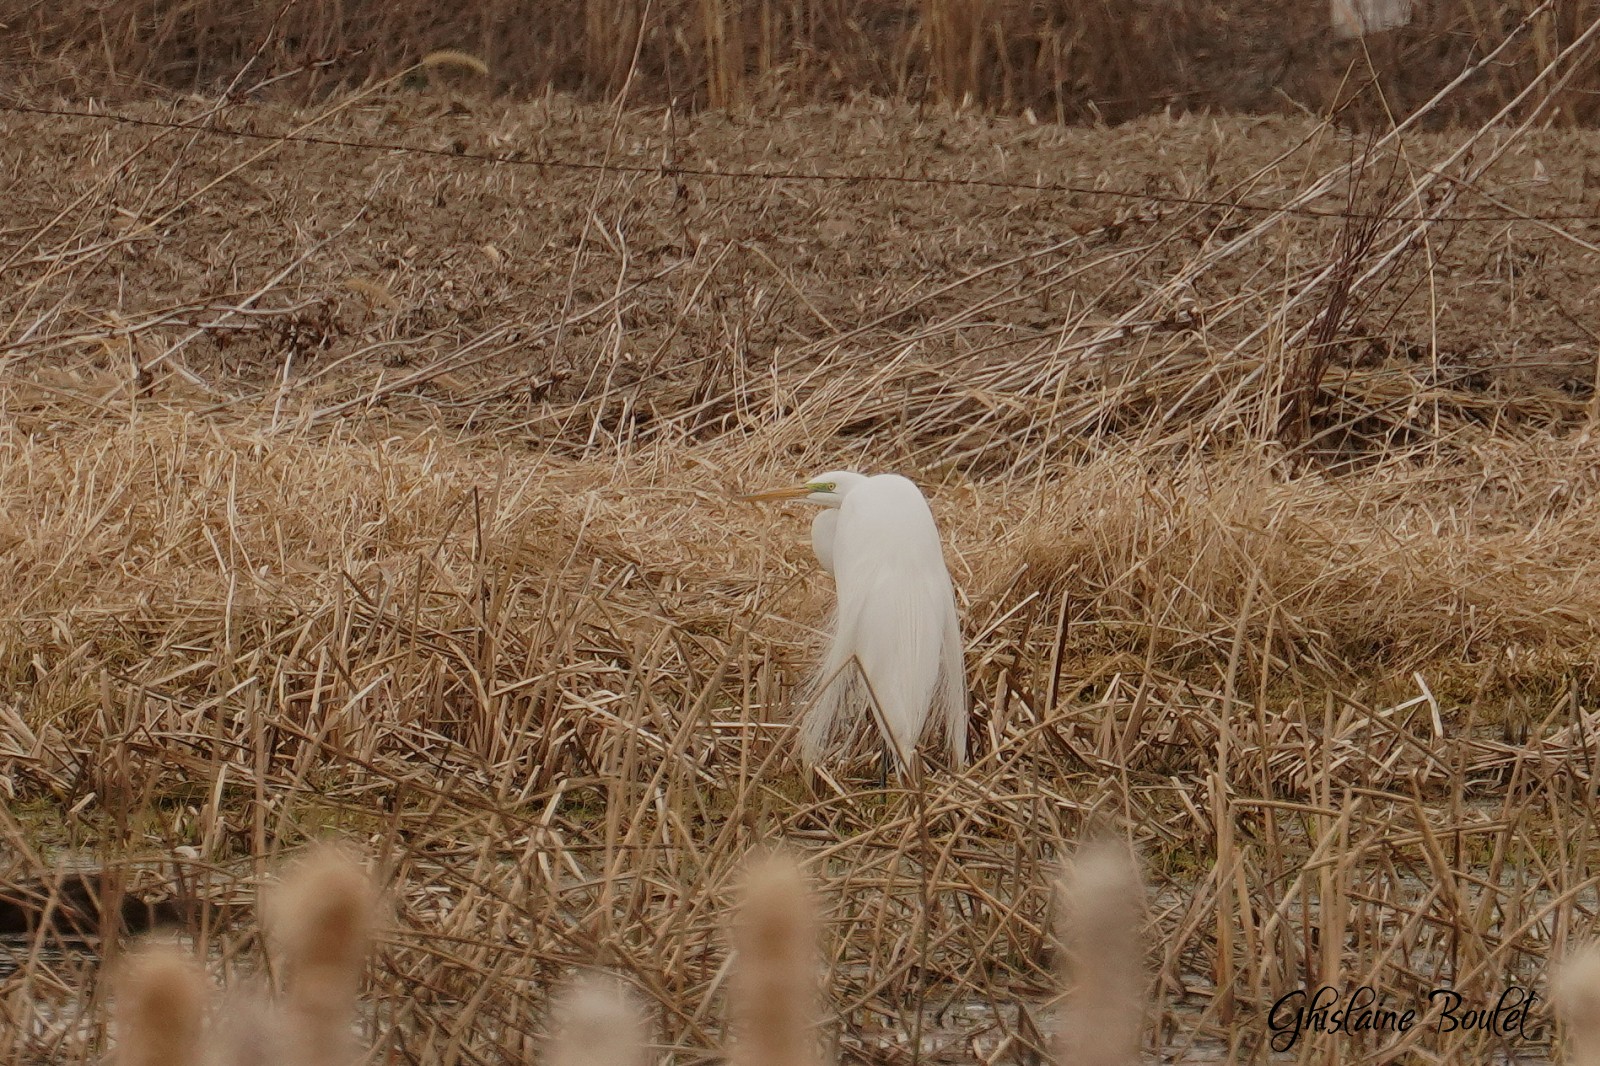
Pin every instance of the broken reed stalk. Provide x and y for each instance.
(1101, 964)
(323, 918)
(1577, 1002)
(773, 995)
(597, 1024)
(161, 1002)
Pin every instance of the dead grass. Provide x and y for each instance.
(1275, 540)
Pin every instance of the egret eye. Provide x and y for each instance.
(821, 486)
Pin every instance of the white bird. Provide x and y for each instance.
(896, 648)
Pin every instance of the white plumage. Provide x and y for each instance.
(896, 641)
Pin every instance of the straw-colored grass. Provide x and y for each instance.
(1272, 516)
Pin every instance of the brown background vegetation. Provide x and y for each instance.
(1070, 60)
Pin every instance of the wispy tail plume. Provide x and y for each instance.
(773, 990)
(1100, 905)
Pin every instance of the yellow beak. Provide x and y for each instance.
(798, 492)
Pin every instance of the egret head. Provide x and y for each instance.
(825, 490)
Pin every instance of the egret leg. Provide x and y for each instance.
(883, 769)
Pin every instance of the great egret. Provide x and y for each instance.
(896, 641)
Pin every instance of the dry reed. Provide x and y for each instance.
(1094, 61)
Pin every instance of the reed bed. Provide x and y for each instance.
(388, 491)
(1086, 62)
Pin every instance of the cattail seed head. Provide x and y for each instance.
(773, 990)
(1577, 1002)
(597, 1024)
(161, 1004)
(1101, 904)
(249, 1030)
(322, 917)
